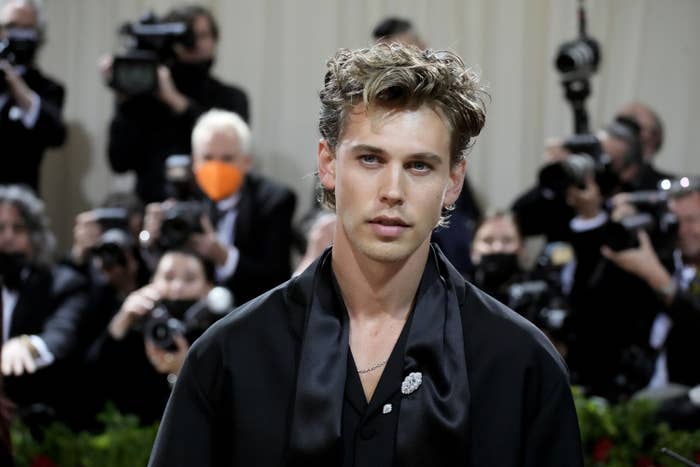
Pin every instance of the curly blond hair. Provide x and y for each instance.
(395, 76)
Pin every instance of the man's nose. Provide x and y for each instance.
(392, 186)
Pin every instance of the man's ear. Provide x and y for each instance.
(454, 188)
(247, 163)
(326, 165)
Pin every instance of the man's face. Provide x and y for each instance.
(391, 175)
(222, 146)
(497, 235)
(204, 45)
(14, 233)
(647, 126)
(17, 15)
(687, 209)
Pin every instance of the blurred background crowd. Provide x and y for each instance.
(142, 196)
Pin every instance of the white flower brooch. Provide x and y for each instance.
(411, 382)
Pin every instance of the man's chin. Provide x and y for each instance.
(388, 252)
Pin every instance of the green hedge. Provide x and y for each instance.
(628, 435)
(122, 443)
(613, 436)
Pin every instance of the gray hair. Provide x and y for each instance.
(37, 6)
(32, 211)
(217, 120)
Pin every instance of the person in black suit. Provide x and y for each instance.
(250, 237)
(379, 353)
(146, 129)
(652, 139)
(43, 305)
(30, 103)
(677, 285)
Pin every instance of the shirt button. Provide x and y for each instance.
(367, 433)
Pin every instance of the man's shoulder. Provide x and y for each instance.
(276, 314)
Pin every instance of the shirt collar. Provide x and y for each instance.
(229, 203)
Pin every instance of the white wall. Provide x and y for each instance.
(276, 49)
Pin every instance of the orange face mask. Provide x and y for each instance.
(218, 180)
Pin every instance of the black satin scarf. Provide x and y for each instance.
(432, 427)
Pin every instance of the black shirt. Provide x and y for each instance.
(369, 428)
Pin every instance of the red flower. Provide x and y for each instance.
(644, 462)
(601, 450)
(696, 457)
(42, 460)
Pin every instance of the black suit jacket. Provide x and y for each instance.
(233, 403)
(681, 343)
(51, 304)
(263, 235)
(23, 148)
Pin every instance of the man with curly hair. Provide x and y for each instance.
(379, 353)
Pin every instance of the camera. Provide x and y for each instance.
(587, 159)
(653, 216)
(18, 47)
(150, 43)
(115, 239)
(578, 59)
(538, 302)
(179, 179)
(180, 221)
(186, 318)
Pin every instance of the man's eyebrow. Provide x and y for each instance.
(427, 157)
(422, 156)
(366, 148)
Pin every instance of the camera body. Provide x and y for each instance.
(587, 159)
(18, 47)
(578, 59)
(540, 303)
(653, 216)
(186, 318)
(181, 221)
(115, 239)
(150, 44)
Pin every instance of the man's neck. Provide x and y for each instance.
(373, 289)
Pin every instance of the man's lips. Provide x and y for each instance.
(389, 227)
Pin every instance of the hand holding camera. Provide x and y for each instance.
(136, 306)
(167, 361)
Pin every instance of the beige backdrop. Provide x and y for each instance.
(275, 50)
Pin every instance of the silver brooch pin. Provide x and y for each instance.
(411, 382)
(387, 408)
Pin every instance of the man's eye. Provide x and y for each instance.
(369, 159)
(420, 166)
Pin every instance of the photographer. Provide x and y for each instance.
(132, 369)
(652, 139)
(613, 158)
(676, 330)
(43, 303)
(498, 254)
(30, 103)
(612, 310)
(248, 235)
(146, 128)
